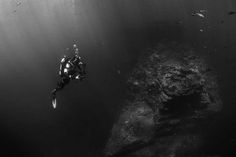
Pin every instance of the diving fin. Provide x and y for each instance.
(54, 103)
(54, 99)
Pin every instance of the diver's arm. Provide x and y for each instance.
(79, 71)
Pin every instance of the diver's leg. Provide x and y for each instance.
(60, 86)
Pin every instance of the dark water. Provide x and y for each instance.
(34, 35)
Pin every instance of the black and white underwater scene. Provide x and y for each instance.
(117, 78)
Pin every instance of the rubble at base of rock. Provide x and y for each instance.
(172, 95)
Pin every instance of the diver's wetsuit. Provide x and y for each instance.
(70, 69)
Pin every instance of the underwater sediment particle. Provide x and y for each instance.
(172, 96)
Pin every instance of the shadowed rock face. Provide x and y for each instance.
(171, 97)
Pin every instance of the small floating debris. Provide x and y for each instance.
(201, 30)
(179, 22)
(136, 83)
(222, 21)
(231, 12)
(200, 13)
(203, 11)
(118, 71)
(18, 4)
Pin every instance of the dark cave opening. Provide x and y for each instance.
(182, 106)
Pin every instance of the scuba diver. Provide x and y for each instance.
(70, 69)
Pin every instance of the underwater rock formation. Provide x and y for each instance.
(172, 97)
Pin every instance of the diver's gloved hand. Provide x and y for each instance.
(54, 100)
